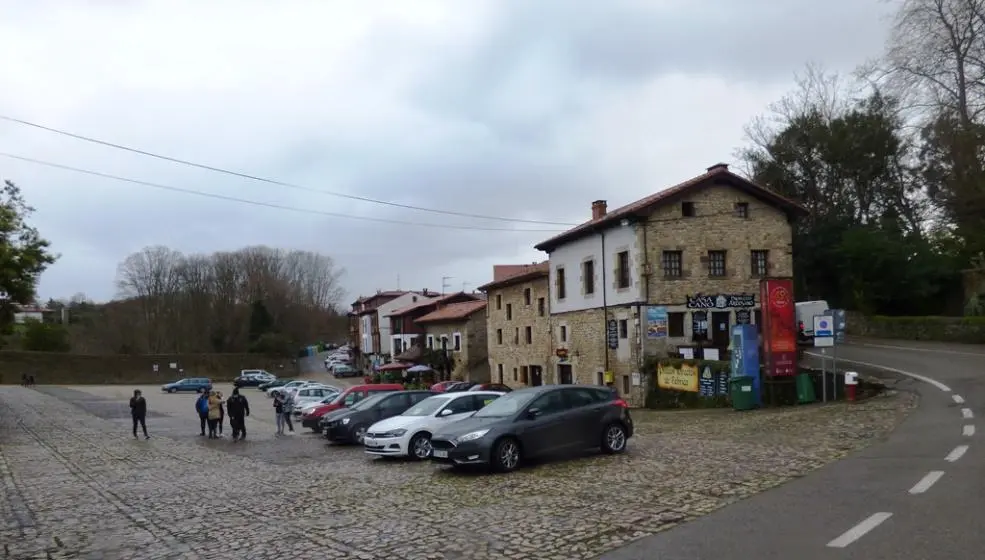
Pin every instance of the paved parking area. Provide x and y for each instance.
(76, 485)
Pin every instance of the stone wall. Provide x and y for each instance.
(969, 330)
(79, 369)
(514, 352)
(472, 360)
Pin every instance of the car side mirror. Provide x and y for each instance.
(445, 412)
(533, 413)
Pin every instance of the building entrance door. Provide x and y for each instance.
(720, 328)
(564, 374)
(536, 376)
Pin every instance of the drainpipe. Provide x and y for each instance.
(605, 308)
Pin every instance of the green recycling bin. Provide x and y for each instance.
(805, 389)
(742, 393)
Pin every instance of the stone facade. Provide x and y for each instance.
(471, 359)
(513, 307)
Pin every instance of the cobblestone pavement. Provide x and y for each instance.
(76, 485)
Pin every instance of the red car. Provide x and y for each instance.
(443, 386)
(346, 398)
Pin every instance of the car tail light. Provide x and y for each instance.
(621, 403)
(800, 325)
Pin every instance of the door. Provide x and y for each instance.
(392, 405)
(720, 324)
(564, 374)
(536, 376)
(586, 412)
(546, 433)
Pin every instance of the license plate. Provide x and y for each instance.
(369, 442)
(440, 453)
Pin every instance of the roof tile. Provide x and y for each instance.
(453, 311)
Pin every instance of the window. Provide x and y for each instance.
(675, 324)
(551, 403)
(499, 372)
(516, 336)
(759, 262)
(509, 311)
(564, 333)
(625, 384)
(623, 328)
(397, 347)
(528, 333)
(499, 301)
(541, 307)
(716, 263)
(526, 296)
(741, 209)
(559, 283)
(588, 277)
(430, 341)
(457, 338)
(524, 370)
(444, 342)
(580, 397)
(622, 270)
(687, 209)
(515, 375)
(672, 263)
(461, 405)
(499, 337)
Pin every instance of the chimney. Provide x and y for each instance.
(598, 209)
(718, 167)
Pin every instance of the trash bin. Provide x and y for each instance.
(741, 391)
(805, 389)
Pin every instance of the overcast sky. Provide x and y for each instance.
(524, 109)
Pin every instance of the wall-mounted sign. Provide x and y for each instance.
(683, 378)
(561, 353)
(612, 334)
(720, 301)
(656, 321)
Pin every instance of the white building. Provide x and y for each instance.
(383, 316)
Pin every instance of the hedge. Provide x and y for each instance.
(970, 330)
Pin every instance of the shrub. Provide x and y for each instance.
(969, 330)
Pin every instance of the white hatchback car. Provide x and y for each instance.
(409, 434)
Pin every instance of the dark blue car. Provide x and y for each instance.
(190, 385)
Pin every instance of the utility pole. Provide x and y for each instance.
(444, 284)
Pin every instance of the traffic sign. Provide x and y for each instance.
(824, 331)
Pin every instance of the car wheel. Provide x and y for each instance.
(614, 438)
(506, 455)
(359, 433)
(420, 446)
(172, 390)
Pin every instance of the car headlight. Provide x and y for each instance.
(345, 421)
(471, 436)
(394, 433)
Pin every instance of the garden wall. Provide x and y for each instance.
(970, 330)
(80, 369)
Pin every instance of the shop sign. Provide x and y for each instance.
(720, 301)
(683, 378)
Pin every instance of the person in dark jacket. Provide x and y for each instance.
(238, 409)
(202, 408)
(222, 411)
(138, 411)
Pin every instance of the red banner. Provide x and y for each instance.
(779, 329)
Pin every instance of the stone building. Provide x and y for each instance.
(459, 330)
(518, 324)
(677, 267)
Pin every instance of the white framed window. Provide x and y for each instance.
(457, 341)
(430, 341)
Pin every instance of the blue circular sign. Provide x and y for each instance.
(824, 324)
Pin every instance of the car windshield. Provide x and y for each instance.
(507, 405)
(427, 407)
(368, 402)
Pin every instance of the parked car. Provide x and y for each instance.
(191, 384)
(344, 370)
(351, 426)
(460, 386)
(409, 433)
(345, 399)
(271, 384)
(253, 378)
(533, 422)
(307, 408)
(441, 386)
(284, 389)
(491, 387)
(314, 393)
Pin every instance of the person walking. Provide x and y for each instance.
(213, 414)
(138, 411)
(238, 408)
(288, 409)
(202, 408)
(222, 411)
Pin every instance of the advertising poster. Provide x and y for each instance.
(684, 378)
(779, 326)
(656, 322)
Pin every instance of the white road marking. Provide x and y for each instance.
(968, 430)
(920, 349)
(956, 453)
(926, 482)
(859, 531)
(958, 399)
(923, 378)
(967, 413)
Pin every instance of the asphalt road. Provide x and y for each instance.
(916, 496)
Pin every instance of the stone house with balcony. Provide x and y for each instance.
(677, 267)
(518, 325)
(458, 330)
(407, 336)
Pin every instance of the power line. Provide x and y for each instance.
(275, 181)
(256, 202)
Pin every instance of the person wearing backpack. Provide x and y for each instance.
(202, 408)
(238, 408)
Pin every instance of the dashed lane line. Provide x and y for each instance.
(909, 374)
(860, 530)
(956, 453)
(926, 482)
(958, 399)
(968, 430)
(966, 413)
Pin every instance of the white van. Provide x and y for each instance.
(806, 310)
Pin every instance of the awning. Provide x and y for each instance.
(394, 366)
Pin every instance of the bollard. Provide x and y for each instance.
(851, 383)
